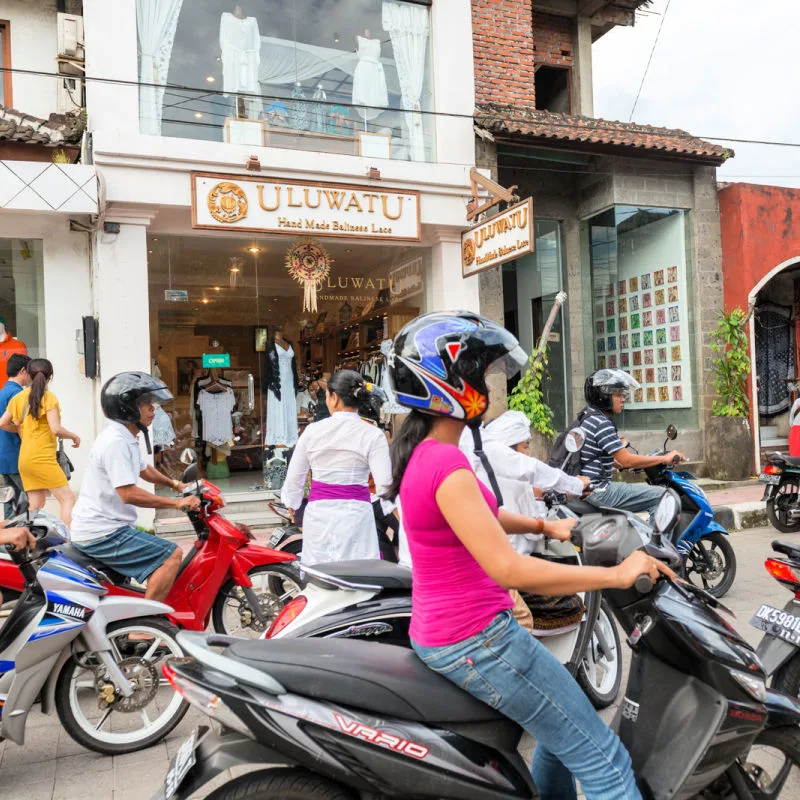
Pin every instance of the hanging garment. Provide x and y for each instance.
(774, 358)
(341, 452)
(217, 409)
(369, 80)
(298, 119)
(319, 110)
(240, 42)
(162, 433)
(282, 410)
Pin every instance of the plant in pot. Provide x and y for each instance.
(729, 438)
(527, 397)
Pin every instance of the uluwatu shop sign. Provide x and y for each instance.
(501, 238)
(264, 205)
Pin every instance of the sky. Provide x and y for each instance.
(721, 68)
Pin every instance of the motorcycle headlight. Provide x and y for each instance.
(752, 684)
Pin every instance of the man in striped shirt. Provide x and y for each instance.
(606, 392)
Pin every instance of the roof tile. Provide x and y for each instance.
(58, 129)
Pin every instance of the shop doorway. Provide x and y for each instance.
(230, 337)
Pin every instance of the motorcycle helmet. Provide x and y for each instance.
(439, 362)
(602, 385)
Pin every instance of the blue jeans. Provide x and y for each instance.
(511, 671)
(628, 496)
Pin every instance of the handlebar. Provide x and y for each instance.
(644, 584)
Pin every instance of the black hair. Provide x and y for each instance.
(40, 370)
(352, 390)
(416, 427)
(16, 364)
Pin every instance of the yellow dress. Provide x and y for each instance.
(38, 466)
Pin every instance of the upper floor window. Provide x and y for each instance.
(345, 76)
(5, 55)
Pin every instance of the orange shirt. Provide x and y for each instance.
(8, 346)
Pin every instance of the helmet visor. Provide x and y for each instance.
(616, 382)
(157, 397)
(509, 364)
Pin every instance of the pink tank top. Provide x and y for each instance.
(452, 597)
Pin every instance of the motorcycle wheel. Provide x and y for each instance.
(281, 784)
(274, 586)
(778, 506)
(712, 564)
(600, 676)
(787, 678)
(767, 767)
(127, 724)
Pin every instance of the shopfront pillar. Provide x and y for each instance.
(448, 289)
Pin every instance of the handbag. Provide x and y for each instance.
(552, 613)
(63, 460)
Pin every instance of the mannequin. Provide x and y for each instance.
(319, 110)
(369, 79)
(299, 115)
(8, 346)
(240, 42)
(281, 384)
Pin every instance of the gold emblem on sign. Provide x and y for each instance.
(227, 202)
(468, 252)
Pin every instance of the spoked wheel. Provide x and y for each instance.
(273, 587)
(772, 767)
(600, 671)
(786, 496)
(281, 784)
(711, 565)
(97, 715)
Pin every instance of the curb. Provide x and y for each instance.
(742, 516)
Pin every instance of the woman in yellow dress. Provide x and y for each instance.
(34, 413)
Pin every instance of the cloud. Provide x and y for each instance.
(721, 68)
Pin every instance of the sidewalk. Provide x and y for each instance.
(740, 507)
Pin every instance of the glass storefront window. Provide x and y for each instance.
(530, 285)
(21, 298)
(642, 315)
(232, 300)
(342, 76)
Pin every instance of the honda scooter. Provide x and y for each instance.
(225, 578)
(334, 719)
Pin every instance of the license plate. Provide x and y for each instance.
(773, 480)
(179, 768)
(276, 537)
(777, 622)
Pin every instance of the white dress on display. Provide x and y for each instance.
(369, 79)
(282, 414)
(240, 42)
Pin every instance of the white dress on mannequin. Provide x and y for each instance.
(282, 414)
(369, 79)
(240, 42)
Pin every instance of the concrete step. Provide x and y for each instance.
(261, 519)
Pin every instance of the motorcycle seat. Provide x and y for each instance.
(782, 458)
(382, 679)
(792, 551)
(369, 571)
(73, 554)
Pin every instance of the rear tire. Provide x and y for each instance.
(281, 784)
(600, 677)
(777, 506)
(716, 547)
(787, 678)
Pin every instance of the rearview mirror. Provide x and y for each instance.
(672, 433)
(574, 440)
(667, 511)
(188, 456)
(190, 474)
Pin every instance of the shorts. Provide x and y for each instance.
(131, 552)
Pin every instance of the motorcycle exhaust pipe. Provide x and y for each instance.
(794, 513)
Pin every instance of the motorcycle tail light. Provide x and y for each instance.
(290, 612)
(772, 469)
(782, 572)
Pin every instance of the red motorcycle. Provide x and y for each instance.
(225, 577)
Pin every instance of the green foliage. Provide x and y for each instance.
(732, 366)
(527, 397)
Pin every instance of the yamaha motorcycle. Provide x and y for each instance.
(346, 719)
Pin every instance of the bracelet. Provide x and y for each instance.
(175, 483)
(539, 528)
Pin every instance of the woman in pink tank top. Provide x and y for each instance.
(463, 564)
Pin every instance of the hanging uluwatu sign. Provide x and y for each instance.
(501, 238)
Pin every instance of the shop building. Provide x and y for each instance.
(761, 270)
(626, 222)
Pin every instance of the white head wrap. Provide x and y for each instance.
(510, 428)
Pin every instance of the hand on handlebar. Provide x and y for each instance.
(673, 457)
(638, 564)
(187, 504)
(17, 538)
(559, 528)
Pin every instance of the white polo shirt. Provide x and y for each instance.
(115, 460)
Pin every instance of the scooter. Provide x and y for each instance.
(92, 657)
(345, 719)
(781, 477)
(225, 578)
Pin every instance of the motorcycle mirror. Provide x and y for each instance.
(672, 433)
(667, 511)
(188, 456)
(6, 494)
(574, 440)
(190, 474)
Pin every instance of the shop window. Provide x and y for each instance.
(5, 54)
(642, 318)
(553, 90)
(530, 285)
(21, 298)
(351, 76)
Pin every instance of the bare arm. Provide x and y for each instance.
(517, 523)
(461, 502)
(624, 459)
(135, 496)
(152, 475)
(6, 424)
(54, 421)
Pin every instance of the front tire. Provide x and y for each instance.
(600, 675)
(281, 784)
(772, 766)
(124, 725)
(274, 586)
(711, 565)
(786, 495)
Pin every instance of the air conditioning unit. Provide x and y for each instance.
(70, 94)
(70, 37)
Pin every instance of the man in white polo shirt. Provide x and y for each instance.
(104, 518)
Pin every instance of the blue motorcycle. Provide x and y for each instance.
(708, 558)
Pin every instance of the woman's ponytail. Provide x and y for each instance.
(416, 427)
(40, 371)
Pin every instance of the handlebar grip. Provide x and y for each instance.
(644, 584)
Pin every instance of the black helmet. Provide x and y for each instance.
(600, 387)
(122, 395)
(439, 362)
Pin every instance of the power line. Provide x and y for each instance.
(649, 61)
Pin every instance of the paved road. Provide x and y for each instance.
(52, 767)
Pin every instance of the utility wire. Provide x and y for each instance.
(649, 61)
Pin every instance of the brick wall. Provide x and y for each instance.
(503, 52)
(552, 40)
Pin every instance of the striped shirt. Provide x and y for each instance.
(602, 441)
